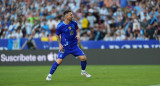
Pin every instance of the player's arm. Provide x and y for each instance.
(59, 42)
(58, 34)
(78, 34)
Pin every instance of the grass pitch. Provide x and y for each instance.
(102, 75)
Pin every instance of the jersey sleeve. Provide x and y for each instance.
(58, 31)
(76, 25)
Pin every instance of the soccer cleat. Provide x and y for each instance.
(85, 74)
(48, 78)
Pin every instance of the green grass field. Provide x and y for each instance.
(102, 75)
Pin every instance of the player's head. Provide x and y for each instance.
(68, 15)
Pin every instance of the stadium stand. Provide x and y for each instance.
(109, 20)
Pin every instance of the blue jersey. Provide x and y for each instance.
(68, 33)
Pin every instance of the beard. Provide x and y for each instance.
(70, 19)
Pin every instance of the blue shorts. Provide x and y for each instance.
(76, 51)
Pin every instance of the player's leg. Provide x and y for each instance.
(83, 59)
(80, 46)
(78, 52)
(61, 56)
(53, 69)
(55, 65)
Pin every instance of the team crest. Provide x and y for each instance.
(69, 27)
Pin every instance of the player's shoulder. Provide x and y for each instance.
(60, 25)
(74, 22)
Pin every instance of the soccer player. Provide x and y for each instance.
(67, 34)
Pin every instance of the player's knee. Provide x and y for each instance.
(59, 61)
(83, 58)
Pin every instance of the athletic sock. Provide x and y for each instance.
(54, 67)
(50, 75)
(83, 65)
(82, 70)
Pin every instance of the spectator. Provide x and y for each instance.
(128, 34)
(139, 37)
(18, 34)
(114, 7)
(16, 24)
(35, 34)
(144, 15)
(91, 34)
(46, 28)
(121, 30)
(85, 23)
(36, 26)
(158, 30)
(50, 23)
(50, 38)
(118, 13)
(55, 22)
(137, 8)
(28, 26)
(3, 35)
(10, 35)
(49, 6)
(144, 24)
(30, 43)
(42, 34)
(106, 25)
(131, 37)
(99, 34)
(84, 37)
(114, 37)
(11, 27)
(107, 37)
(120, 37)
(103, 12)
(150, 31)
(91, 20)
(136, 27)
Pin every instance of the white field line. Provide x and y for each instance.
(155, 85)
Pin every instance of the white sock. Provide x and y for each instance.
(82, 70)
(50, 75)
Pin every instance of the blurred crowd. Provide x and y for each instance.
(108, 20)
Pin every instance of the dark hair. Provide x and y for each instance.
(66, 12)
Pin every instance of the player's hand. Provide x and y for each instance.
(61, 47)
(78, 38)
